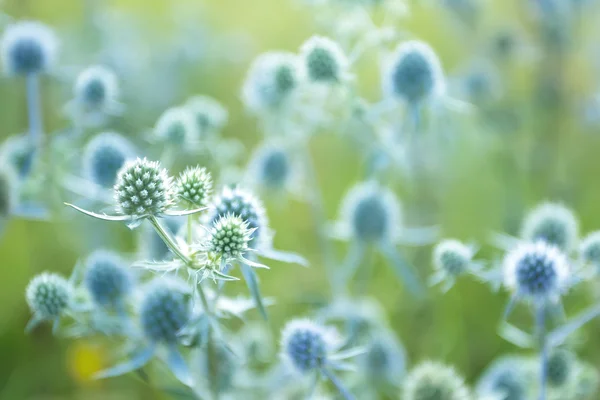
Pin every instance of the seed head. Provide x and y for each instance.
(164, 312)
(177, 127)
(434, 381)
(209, 114)
(505, 377)
(229, 237)
(272, 166)
(143, 188)
(270, 82)
(372, 212)
(18, 151)
(324, 60)
(561, 364)
(552, 223)
(103, 157)
(194, 186)
(536, 270)
(590, 248)
(414, 73)
(28, 48)
(241, 203)
(384, 360)
(452, 257)
(107, 278)
(48, 295)
(97, 88)
(304, 345)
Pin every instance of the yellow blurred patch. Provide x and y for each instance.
(84, 360)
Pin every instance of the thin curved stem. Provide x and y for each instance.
(34, 110)
(338, 384)
(540, 324)
(166, 237)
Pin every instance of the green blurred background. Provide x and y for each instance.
(459, 327)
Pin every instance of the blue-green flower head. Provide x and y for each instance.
(48, 295)
(271, 81)
(104, 156)
(372, 213)
(164, 311)
(384, 359)
(305, 345)
(271, 167)
(452, 257)
(552, 223)
(97, 88)
(506, 379)
(434, 381)
(107, 278)
(18, 152)
(143, 188)
(414, 73)
(589, 249)
(28, 48)
(194, 186)
(177, 127)
(229, 237)
(242, 203)
(536, 271)
(324, 60)
(561, 366)
(209, 114)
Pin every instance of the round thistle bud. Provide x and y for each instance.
(324, 60)
(97, 88)
(8, 190)
(243, 204)
(271, 80)
(561, 363)
(589, 249)
(304, 345)
(384, 360)
(103, 157)
(18, 151)
(371, 212)
(48, 295)
(177, 127)
(107, 278)
(143, 188)
(536, 270)
(452, 257)
(209, 114)
(28, 48)
(434, 381)
(271, 167)
(552, 223)
(504, 378)
(194, 186)
(414, 73)
(229, 237)
(164, 312)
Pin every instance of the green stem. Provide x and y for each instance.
(166, 237)
(189, 229)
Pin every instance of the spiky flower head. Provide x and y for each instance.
(48, 295)
(103, 157)
(194, 186)
(589, 248)
(209, 114)
(506, 379)
(305, 345)
(552, 223)
(107, 278)
(414, 73)
(271, 80)
(177, 127)
(28, 48)
(8, 190)
(536, 270)
(143, 188)
(229, 237)
(164, 311)
(371, 212)
(324, 60)
(434, 381)
(384, 359)
(97, 88)
(452, 257)
(271, 166)
(18, 151)
(241, 203)
(561, 365)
